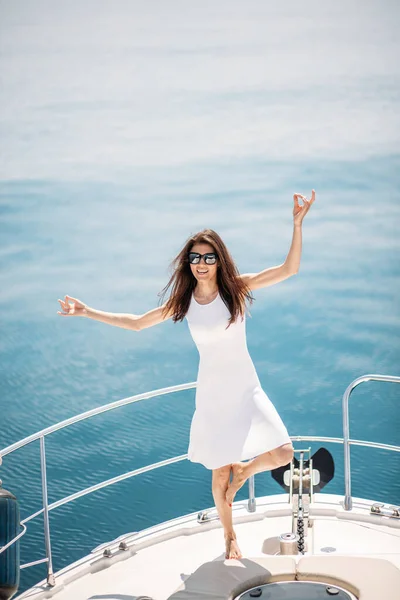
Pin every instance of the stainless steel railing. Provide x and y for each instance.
(95, 411)
(40, 435)
(348, 504)
(46, 508)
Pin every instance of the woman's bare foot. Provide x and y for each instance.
(232, 549)
(238, 479)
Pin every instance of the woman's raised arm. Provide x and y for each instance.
(124, 320)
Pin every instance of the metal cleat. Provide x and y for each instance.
(376, 508)
(202, 516)
(396, 511)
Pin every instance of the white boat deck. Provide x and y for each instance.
(185, 560)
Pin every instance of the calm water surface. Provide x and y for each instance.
(125, 129)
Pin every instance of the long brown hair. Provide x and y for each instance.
(232, 288)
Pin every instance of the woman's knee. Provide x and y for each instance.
(284, 454)
(220, 477)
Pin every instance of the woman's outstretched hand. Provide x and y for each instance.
(299, 212)
(78, 308)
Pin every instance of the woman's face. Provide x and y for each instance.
(201, 271)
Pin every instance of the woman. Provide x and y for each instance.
(234, 420)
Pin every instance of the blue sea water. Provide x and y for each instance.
(126, 128)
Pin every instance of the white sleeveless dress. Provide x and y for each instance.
(234, 419)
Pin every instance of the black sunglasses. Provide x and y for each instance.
(209, 258)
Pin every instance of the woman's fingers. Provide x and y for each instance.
(74, 300)
(296, 200)
(65, 306)
(305, 202)
(63, 314)
(305, 198)
(71, 306)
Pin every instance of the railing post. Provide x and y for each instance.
(50, 575)
(348, 503)
(251, 505)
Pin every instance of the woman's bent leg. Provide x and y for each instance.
(264, 462)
